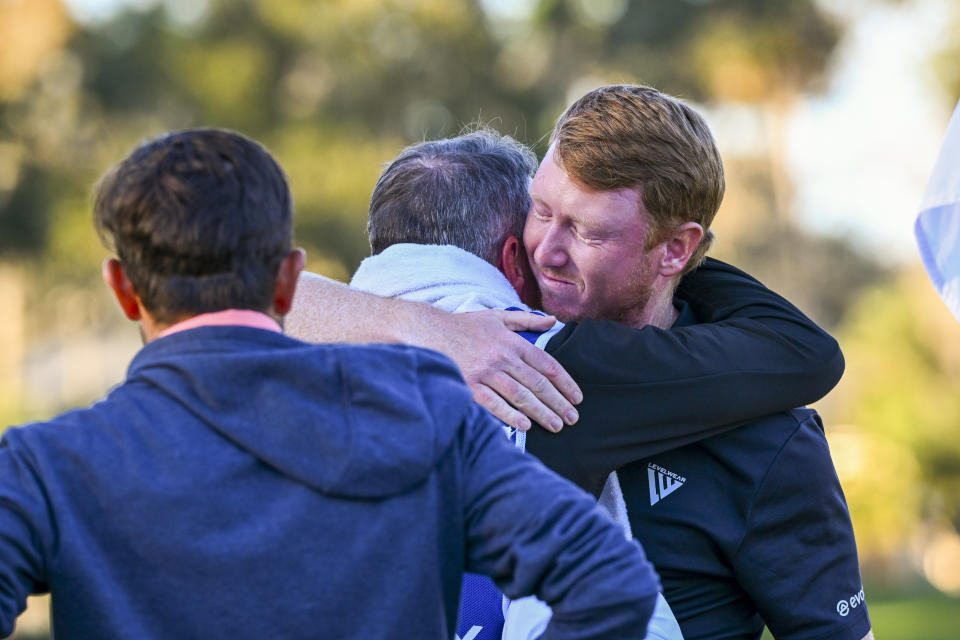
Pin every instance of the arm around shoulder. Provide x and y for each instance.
(325, 310)
(509, 376)
(650, 390)
(775, 334)
(744, 331)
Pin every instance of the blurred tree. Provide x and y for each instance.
(740, 50)
(900, 396)
(337, 87)
(820, 274)
(946, 61)
(754, 52)
(29, 31)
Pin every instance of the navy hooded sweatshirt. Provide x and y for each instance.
(243, 484)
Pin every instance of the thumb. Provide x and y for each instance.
(526, 321)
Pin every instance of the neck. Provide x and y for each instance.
(150, 329)
(658, 311)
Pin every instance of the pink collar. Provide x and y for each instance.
(229, 317)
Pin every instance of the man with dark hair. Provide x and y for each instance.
(243, 484)
(611, 242)
(182, 264)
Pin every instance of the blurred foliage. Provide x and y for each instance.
(900, 396)
(946, 61)
(30, 32)
(335, 88)
(818, 274)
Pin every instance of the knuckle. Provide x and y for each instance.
(552, 368)
(482, 395)
(541, 386)
(512, 388)
(543, 362)
(494, 356)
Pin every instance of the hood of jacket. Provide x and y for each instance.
(360, 421)
(442, 275)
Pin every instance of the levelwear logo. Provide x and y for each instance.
(662, 482)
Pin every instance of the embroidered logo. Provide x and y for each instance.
(662, 482)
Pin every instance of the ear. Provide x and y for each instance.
(286, 282)
(515, 266)
(511, 256)
(678, 248)
(116, 278)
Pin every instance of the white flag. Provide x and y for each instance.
(938, 224)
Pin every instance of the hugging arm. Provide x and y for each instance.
(508, 376)
(650, 390)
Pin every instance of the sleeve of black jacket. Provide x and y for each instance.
(535, 533)
(650, 390)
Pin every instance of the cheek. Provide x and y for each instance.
(532, 236)
(529, 229)
(584, 260)
(601, 276)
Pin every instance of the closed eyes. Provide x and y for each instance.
(584, 238)
(546, 217)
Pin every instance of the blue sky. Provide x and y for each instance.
(862, 153)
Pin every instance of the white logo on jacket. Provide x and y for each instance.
(662, 482)
(470, 635)
(844, 606)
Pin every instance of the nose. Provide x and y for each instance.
(551, 251)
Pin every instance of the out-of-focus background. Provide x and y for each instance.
(829, 114)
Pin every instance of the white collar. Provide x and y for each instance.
(442, 275)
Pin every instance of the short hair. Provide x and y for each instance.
(471, 191)
(631, 136)
(200, 220)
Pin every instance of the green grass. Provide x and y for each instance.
(916, 617)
